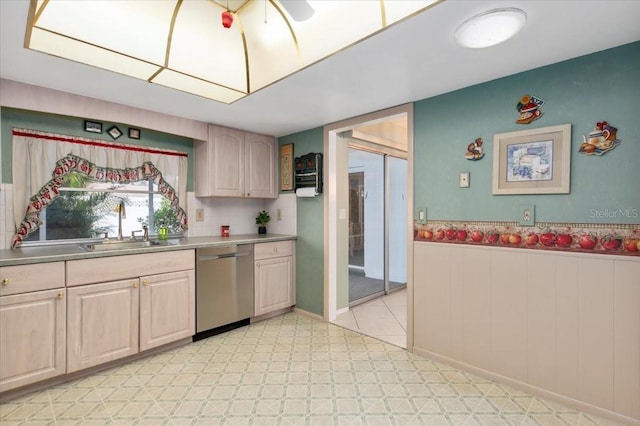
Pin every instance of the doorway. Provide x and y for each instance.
(337, 215)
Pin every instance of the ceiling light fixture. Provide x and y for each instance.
(490, 28)
(174, 43)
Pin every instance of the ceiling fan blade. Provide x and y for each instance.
(300, 10)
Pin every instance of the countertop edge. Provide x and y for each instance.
(64, 252)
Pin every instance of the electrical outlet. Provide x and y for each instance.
(279, 214)
(199, 215)
(527, 215)
(465, 180)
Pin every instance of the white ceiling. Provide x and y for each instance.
(413, 60)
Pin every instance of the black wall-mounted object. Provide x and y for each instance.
(308, 171)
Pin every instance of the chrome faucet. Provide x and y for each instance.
(121, 214)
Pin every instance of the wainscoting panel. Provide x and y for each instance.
(627, 338)
(564, 323)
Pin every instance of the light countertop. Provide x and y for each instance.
(62, 252)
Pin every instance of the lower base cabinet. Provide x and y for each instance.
(32, 337)
(107, 311)
(113, 320)
(274, 272)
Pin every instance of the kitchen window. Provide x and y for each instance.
(88, 209)
(69, 186)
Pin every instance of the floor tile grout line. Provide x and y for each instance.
(394, 316)
(53, 414)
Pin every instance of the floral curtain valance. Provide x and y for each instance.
(41, 160)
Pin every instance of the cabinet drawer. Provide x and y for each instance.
(89, 271)
(28, 278)
(275, 249)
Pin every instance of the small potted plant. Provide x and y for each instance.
(261, 220)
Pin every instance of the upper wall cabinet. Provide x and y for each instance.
(233, 163)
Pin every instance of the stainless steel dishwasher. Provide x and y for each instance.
(224, 289)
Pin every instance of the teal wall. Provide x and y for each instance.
(582, 91)
(74, 126)
(310, 231)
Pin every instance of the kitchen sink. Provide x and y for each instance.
(123, 245)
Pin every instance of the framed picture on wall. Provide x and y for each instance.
(92, 126)
(114, 132)
(134, 133)
(286, 167)
(532, 161)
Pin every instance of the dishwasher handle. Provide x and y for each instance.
(220, 256)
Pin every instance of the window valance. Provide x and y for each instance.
(42, 160)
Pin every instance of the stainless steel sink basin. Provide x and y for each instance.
(123, 245)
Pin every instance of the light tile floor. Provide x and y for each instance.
(384, 318)
(288, 370)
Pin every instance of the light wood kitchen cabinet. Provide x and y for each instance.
(32, 337)
(274, 276)
(132, 313)
(260, 166)
(102, 323)
(167, 308)
(234, 163)
(32, 323)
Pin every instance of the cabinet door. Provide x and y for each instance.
(102, 323)
(167, 308)
(226, 162)
(273, 284)
(32, 336)
(260, 166)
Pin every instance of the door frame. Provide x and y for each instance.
(336, 207)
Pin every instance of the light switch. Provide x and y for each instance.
(464, 180)
(199, 215)
(422, 215)
(342, 213)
